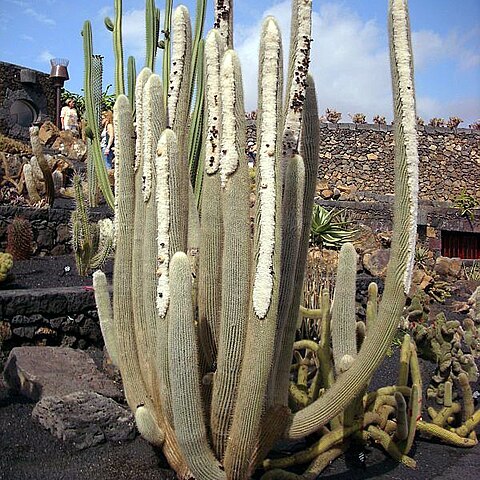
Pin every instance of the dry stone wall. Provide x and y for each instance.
(360, 157)
(356, 161)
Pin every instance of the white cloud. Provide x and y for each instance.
(45, 56)
(133, 31)
(466, 108)
(40, 17)
(430, 47)
(349, 60)
(28, 38)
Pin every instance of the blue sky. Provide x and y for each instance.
(350, 48)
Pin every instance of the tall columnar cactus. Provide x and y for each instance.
(212, 387)
(92, 108)
(152, 23)
(116, 28)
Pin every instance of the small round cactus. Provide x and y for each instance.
(6, 263)
(20, 239)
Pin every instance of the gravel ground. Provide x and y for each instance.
(28, 452)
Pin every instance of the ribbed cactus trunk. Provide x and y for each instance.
(204, 339)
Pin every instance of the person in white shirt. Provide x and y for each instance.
(69, 117)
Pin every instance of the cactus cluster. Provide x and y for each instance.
(203, 320)
(442, 341)
(6, 264)
(92, 243)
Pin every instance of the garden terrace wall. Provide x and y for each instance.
(51, 226)
(359, 158)
(61, 316)
(433, 217)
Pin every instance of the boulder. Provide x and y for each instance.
(70, 145)
(366, 240)
(37, 372)
(48, 133)
(376, 262)
(449, 268)
(85, 419)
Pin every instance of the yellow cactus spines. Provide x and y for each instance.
(6, 264)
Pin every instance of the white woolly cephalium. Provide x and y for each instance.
(299, 64)
(229, 155)
(214, 48)
(154, 121)
(162, 166)
(271, 70)
(406, 117)
(141, 81)
(180, 25)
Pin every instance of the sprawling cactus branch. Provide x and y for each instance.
(204, 338)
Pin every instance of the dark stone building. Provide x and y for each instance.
(26, 96)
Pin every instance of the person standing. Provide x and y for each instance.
(69, 117)
(107, 138)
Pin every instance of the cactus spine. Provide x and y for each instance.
(160, 341)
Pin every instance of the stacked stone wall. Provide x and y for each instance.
(357, 160)
(33, 87)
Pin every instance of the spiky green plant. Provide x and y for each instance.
(92, 243)
(203, 335)
(329, 228)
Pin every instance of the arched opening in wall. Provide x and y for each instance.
(23, 113)
(465, 245)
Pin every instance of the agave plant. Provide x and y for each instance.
(330, 228)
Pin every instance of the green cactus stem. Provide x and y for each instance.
(131, 79)
(92, 120)
(152, 23)
(37, 150)
(403, 242)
